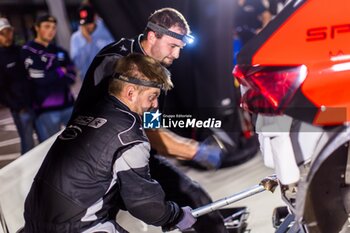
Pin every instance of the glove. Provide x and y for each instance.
(209, 154)
(187, 219)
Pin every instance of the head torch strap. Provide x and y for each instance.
(184, 38)
(137, 81)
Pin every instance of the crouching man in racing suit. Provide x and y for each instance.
(99, 164)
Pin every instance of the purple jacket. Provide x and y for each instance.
(52, 73)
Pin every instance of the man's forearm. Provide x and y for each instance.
(169, 143)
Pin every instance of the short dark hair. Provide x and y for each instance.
(141, 67)
(168, 17)
(45, 18)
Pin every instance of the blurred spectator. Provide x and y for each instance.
(52, 73)
(90, 38)
(15, 88)
(250, 17)
(275, 6)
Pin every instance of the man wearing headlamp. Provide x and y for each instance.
(167, 32)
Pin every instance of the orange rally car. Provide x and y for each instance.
(299, 65)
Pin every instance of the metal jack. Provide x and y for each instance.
(269, 183)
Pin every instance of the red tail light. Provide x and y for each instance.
(268, 89)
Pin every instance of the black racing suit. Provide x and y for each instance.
(98, 165)
(177, 186)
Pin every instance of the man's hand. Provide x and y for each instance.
(85, 34)
(61, 71)
(209, 154)
(187, 219)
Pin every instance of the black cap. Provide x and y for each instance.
(45, 18)
(86, 14)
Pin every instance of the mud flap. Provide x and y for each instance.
(324, 210)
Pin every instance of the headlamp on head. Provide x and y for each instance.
(136, 81)
(187, 39)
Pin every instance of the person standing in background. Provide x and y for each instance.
(15, 88)
(251, 17)
(52, 73)
(90, 38)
